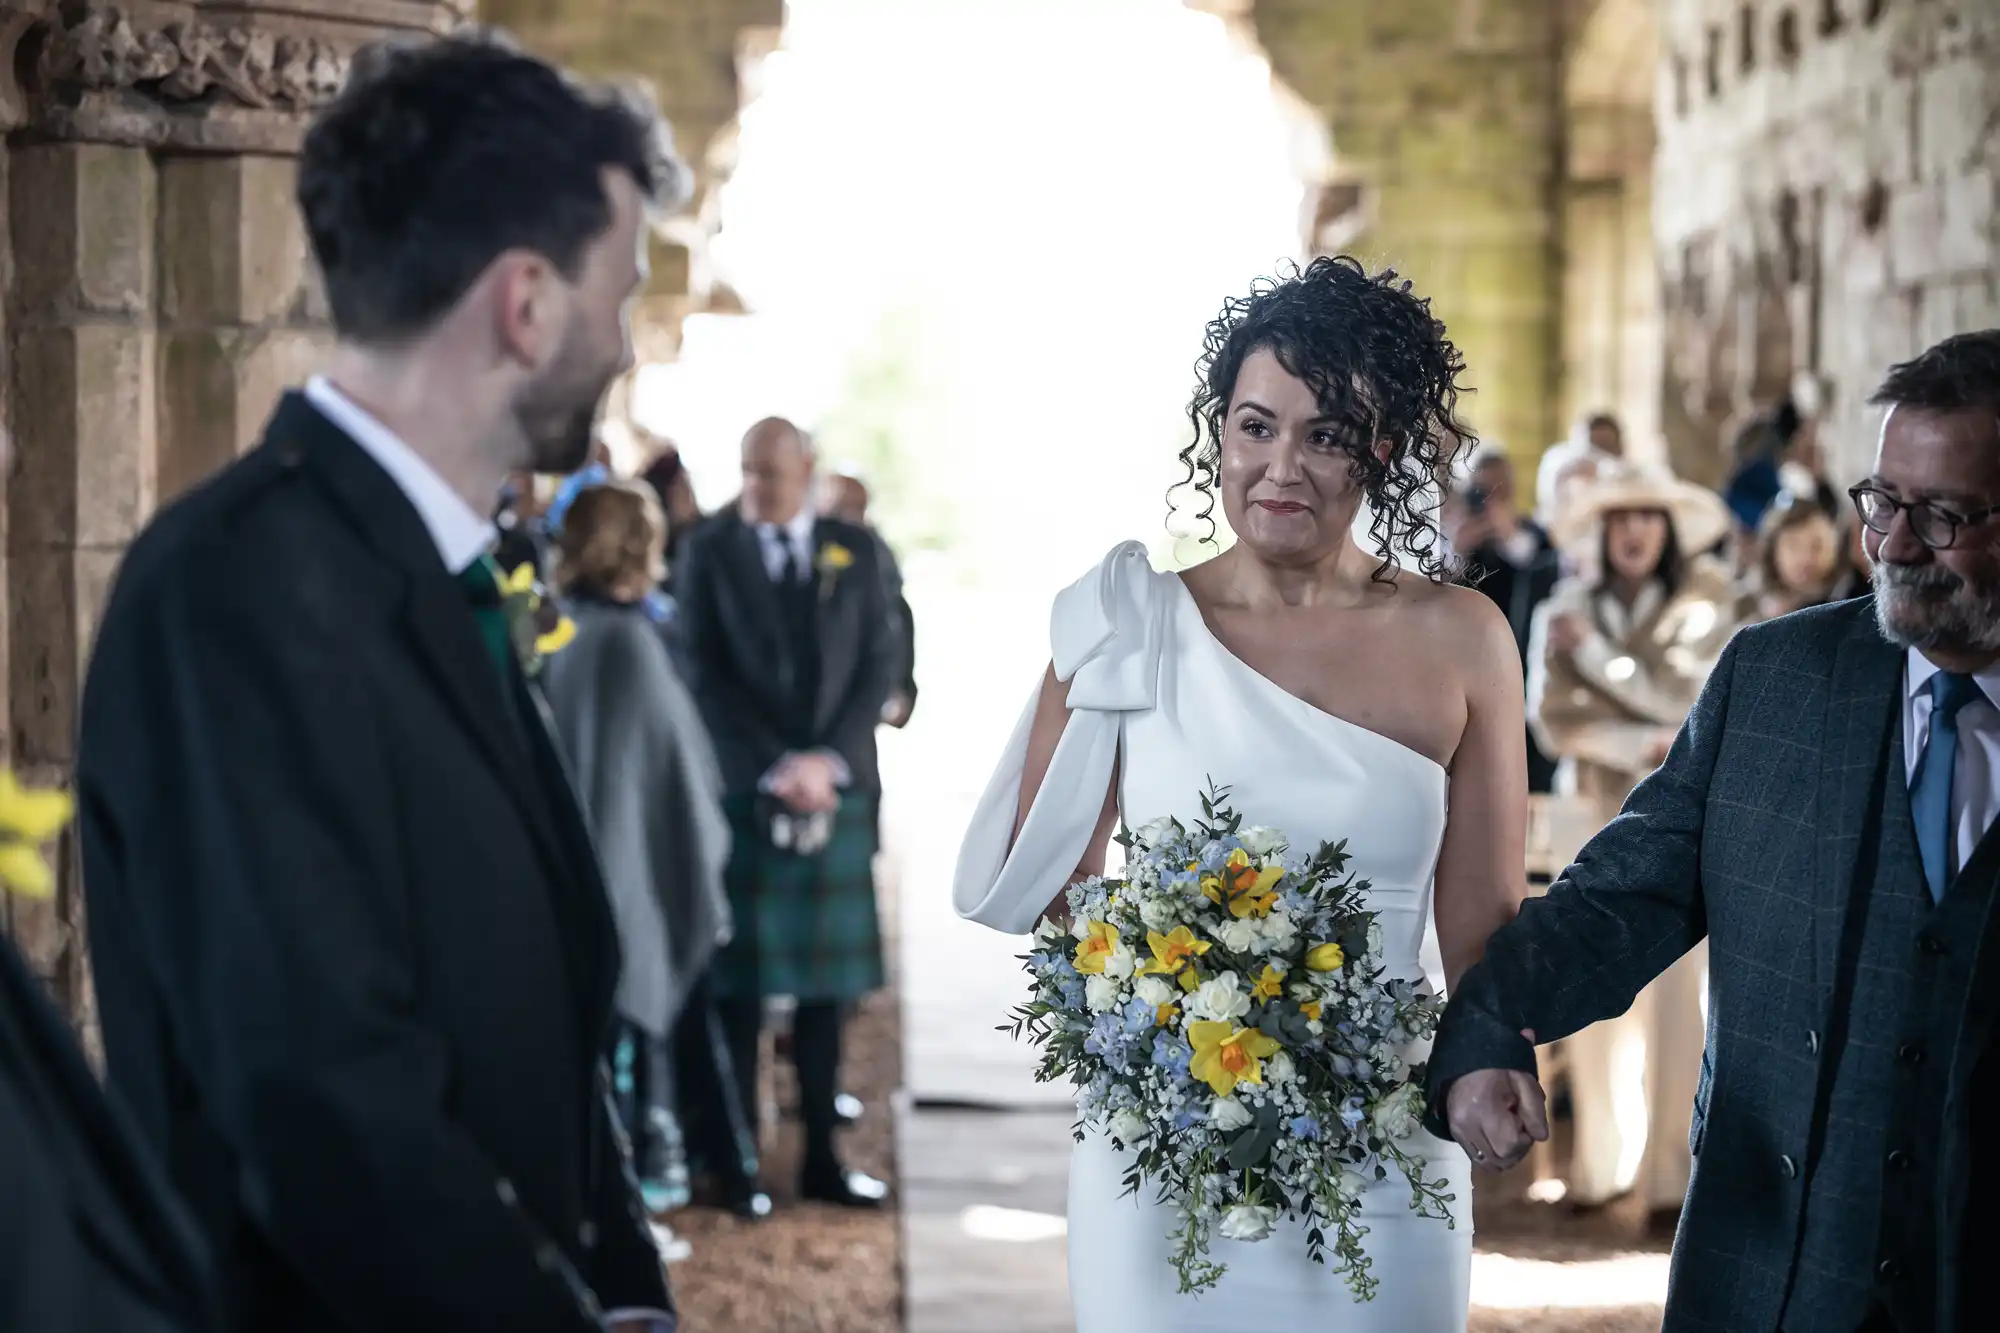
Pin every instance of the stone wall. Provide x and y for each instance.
(1825, 201)
(1446, 123)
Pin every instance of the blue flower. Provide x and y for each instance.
(1343, 1066)
(1172, 1053)
(1188, 1118)
(1072, 992)
(1140, 1017)
(1352, 1113)
(1122, 1096)
(1108, 1042)
(1305, 1127)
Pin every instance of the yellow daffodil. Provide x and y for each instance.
(1325, 957)
(1226, 1055)
(556, 639)
(1269, 986)
(1244, 876)
(1211, 888)
(1189, 979)
(1173, 951)
(1094, 948)
(835, 557)
(29, 818)
(1164, 1014)
(518, 583)
(29, 815)
(1253, 903)
(1310, 1009)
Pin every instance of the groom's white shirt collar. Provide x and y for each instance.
(461, 533)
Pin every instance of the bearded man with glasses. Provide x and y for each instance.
(1825, 820)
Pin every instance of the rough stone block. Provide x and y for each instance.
(1957, 105)
(1968, 239)
(219, 387)
(44, 671)
(86, 212)
(1916, 222)
(233, 249)
(86, 400)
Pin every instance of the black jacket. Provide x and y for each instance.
(91, 1240)
(742, 665)
(352, 948)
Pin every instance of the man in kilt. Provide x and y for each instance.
(792, 651)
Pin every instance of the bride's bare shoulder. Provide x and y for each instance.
(1463, 619)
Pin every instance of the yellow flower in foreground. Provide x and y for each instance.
(1189, 979)
(1173, 951)
(1244, 876)
(29, 815)
(556, 639)
(1311, 1010)
(29, 818)
(1269, 986)
(1325, 958)
(521, 581)
(835, 557)
(1165, 1014)
(1094, 948)
(1226, 1055)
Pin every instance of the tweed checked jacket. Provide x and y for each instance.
(1748, 835)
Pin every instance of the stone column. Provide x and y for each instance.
(160, 299)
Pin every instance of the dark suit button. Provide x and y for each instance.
(1910, 1053)
(1930, 944)
(1787, 1168)
(1889, 1270)
(505, 1189)
(1812, 1043)
(586, 1235)
(1899, 1160)
(546, 1257)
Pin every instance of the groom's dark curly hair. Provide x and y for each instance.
(1379, 363)
(440, 154)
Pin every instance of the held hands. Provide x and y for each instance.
(1567, 632)
(805, 783)
(1497, 1115)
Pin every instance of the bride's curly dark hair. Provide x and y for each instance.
(1379, 363)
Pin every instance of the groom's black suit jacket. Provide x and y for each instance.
(91, 1241)
(1764, 832)
(352, 952)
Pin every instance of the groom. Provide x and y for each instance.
(1825, 821)
(353, 955)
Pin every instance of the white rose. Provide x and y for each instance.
(1219, 1000)
(1129, 1127)
(1261, 841)
(1352, 1185)
(1155, 990)
(1079, 929)
(1374, 939)
(1158, 914)
(1280, 932)
(1239, 935)
(1280, 1069)
(1120, 961)
(1395, 1116)
(1101, 994)
(1248, 1221)
(1154, 831)
(1226, 1114)
(1048, 932)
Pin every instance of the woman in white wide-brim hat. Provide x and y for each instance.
(1616, 657)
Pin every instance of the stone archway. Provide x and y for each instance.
(1610, 317)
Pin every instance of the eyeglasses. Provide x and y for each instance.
(1934, 526)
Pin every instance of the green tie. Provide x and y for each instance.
(481, 582)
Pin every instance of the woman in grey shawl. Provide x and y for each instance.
(647, 778)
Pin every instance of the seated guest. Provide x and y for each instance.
(651, 789)
(1799, 560)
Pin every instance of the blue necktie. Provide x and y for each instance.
(1930, 795)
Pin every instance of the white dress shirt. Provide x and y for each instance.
(461, 533)
(1975, 786)
(774, 540)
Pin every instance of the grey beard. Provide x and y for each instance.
(1928, 607)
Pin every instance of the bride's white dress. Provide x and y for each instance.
(1147, 678)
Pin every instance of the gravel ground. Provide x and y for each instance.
(810, 1268)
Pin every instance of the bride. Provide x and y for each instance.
(1335, 694)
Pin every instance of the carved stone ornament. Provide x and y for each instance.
(182, 60)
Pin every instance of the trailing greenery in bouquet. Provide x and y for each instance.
(1224, 1013)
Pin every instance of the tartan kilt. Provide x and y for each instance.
(805, 925)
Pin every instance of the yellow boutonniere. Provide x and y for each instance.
(834, 558)
(29, 818)
(537, 628)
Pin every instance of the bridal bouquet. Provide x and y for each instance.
(1223, 1012)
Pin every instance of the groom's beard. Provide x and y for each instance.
(557, 415)
(1929, 607)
